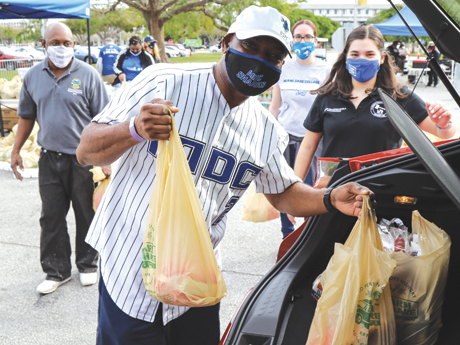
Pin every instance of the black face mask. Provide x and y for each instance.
(152, 45)
(249, 74)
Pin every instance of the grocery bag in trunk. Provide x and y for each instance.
(418, 283)
(179, 266)
(355, 306)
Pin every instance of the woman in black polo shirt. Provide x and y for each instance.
(348, 113)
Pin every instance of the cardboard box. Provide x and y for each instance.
(9, 117)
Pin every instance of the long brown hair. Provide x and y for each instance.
(339, 80)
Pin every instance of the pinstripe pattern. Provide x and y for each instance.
(248, 133)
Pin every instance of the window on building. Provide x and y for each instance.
(327, 11)
(336, 11)
(351, 11)
(344, 11)
(359, 11)
(367, 11)
(320, 11)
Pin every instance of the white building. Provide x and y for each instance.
(344, 11)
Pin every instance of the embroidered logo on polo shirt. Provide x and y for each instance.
(378, 109)
(76, 84)
(335, 110)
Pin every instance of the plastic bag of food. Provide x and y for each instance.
(355, 306)
(256, 207)
(179, 266)
(418, 284)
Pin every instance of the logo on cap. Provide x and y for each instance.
(285, 24)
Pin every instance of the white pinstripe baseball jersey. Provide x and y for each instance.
(226, 149)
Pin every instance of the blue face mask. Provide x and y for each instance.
(363, 70)
(303, 49)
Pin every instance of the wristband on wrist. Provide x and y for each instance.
(449, 126)
(132, 130)
(327, 200)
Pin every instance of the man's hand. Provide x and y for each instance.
(153, 121)
(122, 77)
(107, 170)
(348, 198)
(16, 161)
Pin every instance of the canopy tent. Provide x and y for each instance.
(42, 9)
(396, 27)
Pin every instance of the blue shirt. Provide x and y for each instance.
(132, 66)
(108, 54)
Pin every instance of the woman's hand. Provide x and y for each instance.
(439, 113)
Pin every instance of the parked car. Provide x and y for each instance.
(182, 50)
(172, 52)
(10, 59)
(32, 52)
(81, 53)
(40, 49)
(280, 308)
(215, 48)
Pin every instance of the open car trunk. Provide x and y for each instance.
(280, 309)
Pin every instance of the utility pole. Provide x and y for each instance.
(355, 22)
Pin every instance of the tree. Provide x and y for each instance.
(178, 18)
(8, 34)
(383, 15)
(32, 31)
(110, 24)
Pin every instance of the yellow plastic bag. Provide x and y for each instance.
(355, 306)
(418, 283)
(99, 192)
(256, 208)
(179, 266)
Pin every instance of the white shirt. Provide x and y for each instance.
(295, 84)
(226, 148)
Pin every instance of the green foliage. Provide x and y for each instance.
(106, 25)
(8, 35)
(187, 25)
(32, 32)
(383, 15)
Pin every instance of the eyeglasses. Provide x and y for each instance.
(299, 38)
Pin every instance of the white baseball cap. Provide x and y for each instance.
(262, 21)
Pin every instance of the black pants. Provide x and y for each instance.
(62, 180)
(432, 78)
(198, 326)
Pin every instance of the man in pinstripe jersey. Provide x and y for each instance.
(230, 140)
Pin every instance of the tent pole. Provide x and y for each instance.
(89, 41)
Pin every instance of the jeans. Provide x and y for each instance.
(62, 180)
(290, 154)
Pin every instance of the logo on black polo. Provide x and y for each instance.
(378, 109)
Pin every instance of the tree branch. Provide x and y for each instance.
(191, 7)
(135, 4)
(110, 9)
(213, 18)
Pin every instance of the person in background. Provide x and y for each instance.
(216, 113)
(62, 94)
(393, 50)
(433, 54)
(348, 113)
(107, 57)
(150, 46)
(131, 61)
(403, 51)
(292, 97)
